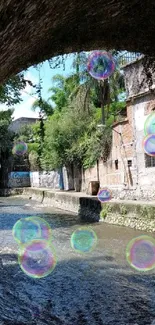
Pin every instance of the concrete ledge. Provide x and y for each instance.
(87, 207)
(62, 201)
(10, 191)
(134, 214)
(34, 193)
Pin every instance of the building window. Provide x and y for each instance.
(149, 161)
(129, 163)
(116, 164)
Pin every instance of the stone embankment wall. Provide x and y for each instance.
(88, 208)
(138, 215)
(130, 214)
(142, 194)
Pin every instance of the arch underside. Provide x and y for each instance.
(34, 30)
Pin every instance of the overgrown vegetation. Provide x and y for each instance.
(75, 122)
(146, 212)
(106, 208)
(10, 95)
(123, 210)
(78, 124)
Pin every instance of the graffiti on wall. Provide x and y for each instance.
(45, 179)
(49, 179)
(19, 179)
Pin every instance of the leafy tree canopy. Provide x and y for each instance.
(81, 104)
(10, 92)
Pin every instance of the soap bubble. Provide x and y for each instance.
(25, 230)
(104, 195)
(149, 145)
(83, 240)
(140, 253)
(20, 148)
(37, 259)
(30, 228)
(100, 65)
(149, 126)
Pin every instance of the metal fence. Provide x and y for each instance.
(127, 57)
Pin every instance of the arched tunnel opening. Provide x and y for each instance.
(31, 32)
(77, 152)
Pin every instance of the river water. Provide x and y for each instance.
(98, 288)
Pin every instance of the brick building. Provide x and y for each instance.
(129, 172)
(118, 172)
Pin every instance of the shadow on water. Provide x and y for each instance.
(75, 293)
(56, 219)
(11, 213)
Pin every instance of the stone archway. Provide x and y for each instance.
(32, 31)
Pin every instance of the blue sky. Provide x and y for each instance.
(24, 109)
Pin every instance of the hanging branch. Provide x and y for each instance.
(42, 130)
(58, 61)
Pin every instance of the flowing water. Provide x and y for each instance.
(98, 288)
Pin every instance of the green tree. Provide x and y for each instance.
(10, 95)
(6, 143)
(44, 107)
(25, 134)
(61, 92)
(31, 135)
(62, 138)
(10, 92)
(102, 93)
(72, 133)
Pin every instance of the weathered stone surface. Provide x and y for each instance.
(136, 82)
(32, 31)
(138, 215)
(86, 207)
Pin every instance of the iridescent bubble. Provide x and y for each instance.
(46, 231)
(83, 240)
(149, 126)
(140, 253)
(149, 145)
(100, 65)
(20, 148)
(104, 195)
(31, 228)
(37, 259)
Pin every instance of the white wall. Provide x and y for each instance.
(146, 176)
(44, 179)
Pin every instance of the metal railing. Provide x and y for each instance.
(128, 57)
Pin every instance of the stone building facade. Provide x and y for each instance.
(22, 121)
(129, 172)
(119, 171)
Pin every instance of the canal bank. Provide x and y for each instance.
(134, 214)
